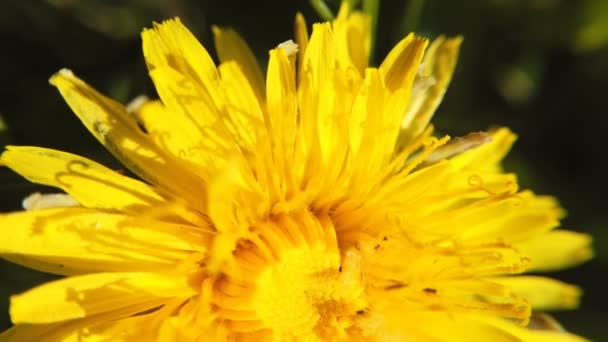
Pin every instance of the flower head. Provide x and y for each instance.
(312, 204)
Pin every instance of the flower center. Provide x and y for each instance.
(288, 280)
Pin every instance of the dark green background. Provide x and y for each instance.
(537, 66)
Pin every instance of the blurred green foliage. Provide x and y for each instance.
(538, 66)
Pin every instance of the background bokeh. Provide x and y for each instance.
(537, 66)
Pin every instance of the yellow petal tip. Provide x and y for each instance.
(63, 73)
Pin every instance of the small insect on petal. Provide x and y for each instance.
(38, 201)
(135, 104)
(458, 145)
(290, 48)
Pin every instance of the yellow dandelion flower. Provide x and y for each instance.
(313, 204)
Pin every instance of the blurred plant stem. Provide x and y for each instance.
(371, 7)
(411, 17)
(322, 9)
